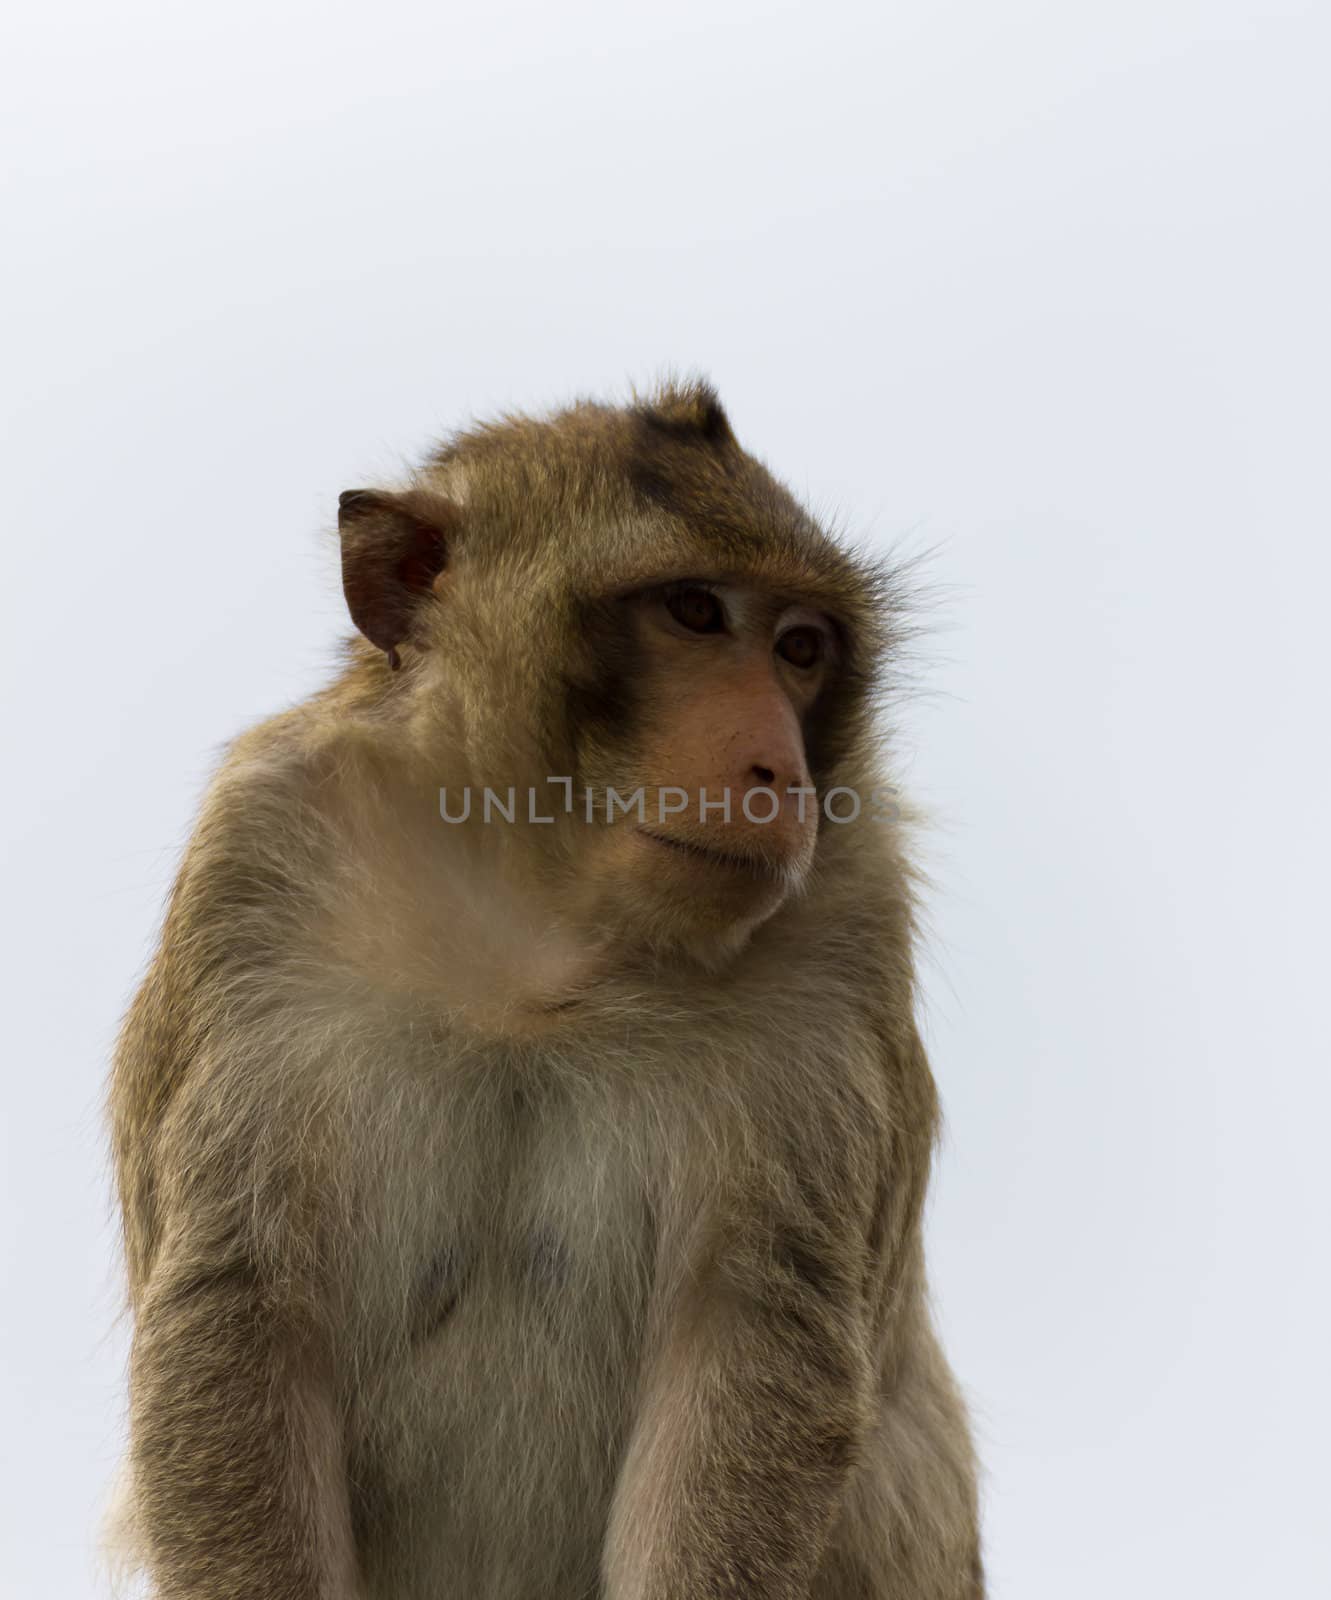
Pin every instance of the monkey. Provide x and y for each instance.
(522, 1200)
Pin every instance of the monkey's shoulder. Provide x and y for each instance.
(246, 889)
(267, 827)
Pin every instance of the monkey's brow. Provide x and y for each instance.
(779, 595)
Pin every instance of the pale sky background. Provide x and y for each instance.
(1043, 287)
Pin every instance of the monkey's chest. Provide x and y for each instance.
(516, 1291)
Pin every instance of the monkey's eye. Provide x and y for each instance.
(696, 609)
(802, 647)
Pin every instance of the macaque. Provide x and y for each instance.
(522, 1130)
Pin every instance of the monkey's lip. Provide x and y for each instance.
(733, 860)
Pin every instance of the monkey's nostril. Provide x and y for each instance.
(764, 775)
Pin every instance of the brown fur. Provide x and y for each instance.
(494, 1230)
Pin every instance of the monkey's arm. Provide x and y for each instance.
(237, 1460)
(224, 1151)
(236, 1445)
(753, 1409)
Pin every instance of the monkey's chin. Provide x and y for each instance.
(640, 898)
(701, 903)
(717, 859)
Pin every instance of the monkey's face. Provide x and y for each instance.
(626, 602)
(714, 817)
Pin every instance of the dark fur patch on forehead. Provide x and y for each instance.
(692, 412)
(724, 497)
(679, 446)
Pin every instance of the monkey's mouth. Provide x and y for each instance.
(755, 866)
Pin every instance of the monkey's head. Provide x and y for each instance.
(619, 616)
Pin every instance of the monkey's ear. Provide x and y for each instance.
(393, 548)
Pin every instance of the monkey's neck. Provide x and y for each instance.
(468, 918)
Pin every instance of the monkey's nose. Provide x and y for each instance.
(769, 794)
(778, 770)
